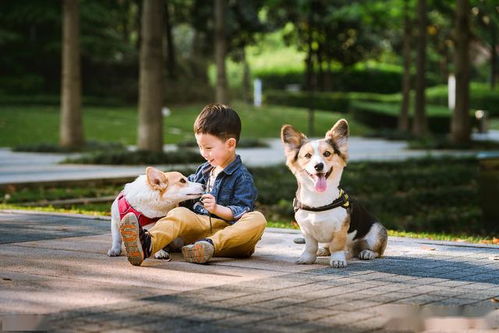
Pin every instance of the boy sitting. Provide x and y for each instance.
(223, 222)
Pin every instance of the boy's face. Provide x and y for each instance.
(216, 151)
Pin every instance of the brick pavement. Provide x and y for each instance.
(55, 266)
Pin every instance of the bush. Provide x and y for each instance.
(138, 158)
(336, 101)
(385, 115)
(482, 97)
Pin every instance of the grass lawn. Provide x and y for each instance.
(20, 125)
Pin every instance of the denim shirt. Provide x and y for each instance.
(234, 188)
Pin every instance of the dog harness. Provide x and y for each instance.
(124, 208)
(342, 201)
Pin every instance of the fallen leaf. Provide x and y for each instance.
(485, 241)
(494, 258)
(494, 299)
(424, 247)
(495, 240)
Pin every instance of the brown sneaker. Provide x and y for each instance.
(199, 252)
(137, 241)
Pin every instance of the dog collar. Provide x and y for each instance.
(124, 208)
(342, 201)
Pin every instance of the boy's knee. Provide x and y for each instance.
(258, 219)
(178, 212)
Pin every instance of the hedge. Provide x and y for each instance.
(385, 115)
(329, 101)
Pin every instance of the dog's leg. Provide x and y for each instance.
(337, 249)
(115, 249)
(374, 243)
(162, 254)
(309, 255)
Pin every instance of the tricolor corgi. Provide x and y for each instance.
(150, 197)
(324, 212)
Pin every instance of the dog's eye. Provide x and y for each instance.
(326, 154)
(183, 181)
(308, 155)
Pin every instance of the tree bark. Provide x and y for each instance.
(151, 82)
(169, 43)
(460, 125)
(420, 126)
(403, 121)
(222, 95)
(71, 125)
(493, 55)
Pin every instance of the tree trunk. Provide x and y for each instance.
(420, 126)
(222, 95)
(403, 121)
(460, 125)
(71, 125)
(151, 83)
(169, 43)
(493, 55)
(246, 78)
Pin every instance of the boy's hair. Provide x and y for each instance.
(218, 120)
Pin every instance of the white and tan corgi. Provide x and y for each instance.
(323, 211)
(150, 197)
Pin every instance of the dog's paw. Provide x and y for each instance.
(323, 252)
(338, 260)
(114, 252)
(306, 259)
(162, 254)
(367, 255)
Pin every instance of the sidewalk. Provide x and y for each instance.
(35, 167)
(55, 274)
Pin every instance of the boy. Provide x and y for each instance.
(223, 222)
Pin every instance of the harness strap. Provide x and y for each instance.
(342, 201)
(124, 207)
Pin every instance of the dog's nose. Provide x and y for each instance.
(319, 167)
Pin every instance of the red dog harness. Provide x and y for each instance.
(124, 208)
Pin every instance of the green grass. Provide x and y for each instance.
(24, 125)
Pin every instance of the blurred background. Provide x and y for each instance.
(125, 77)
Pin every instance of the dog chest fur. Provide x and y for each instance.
(321, 225)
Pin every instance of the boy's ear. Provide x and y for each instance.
(156, 179)
(231, 143)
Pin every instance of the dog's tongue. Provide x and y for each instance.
(320, 183)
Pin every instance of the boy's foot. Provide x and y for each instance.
(137, 240)
(199, 252)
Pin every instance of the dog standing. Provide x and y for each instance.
(150, 197)
(323, 211)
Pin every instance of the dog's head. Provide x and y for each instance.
(317, 164)
(172, 186)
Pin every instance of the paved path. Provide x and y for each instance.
(54, 274)
(36, 167)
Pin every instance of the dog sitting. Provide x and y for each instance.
(323, 211)
(150, 197)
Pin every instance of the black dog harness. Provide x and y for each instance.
(342, 201)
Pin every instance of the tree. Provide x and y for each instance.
(420, 126)
(222, 93)
(486, 14)
(151, 80)
(71, 125)
(460, 124)
(403, 121)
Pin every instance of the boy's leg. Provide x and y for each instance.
(180, 222)
(140, 243)
(240, 238)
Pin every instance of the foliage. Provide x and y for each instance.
(53, 148)
(139, 157)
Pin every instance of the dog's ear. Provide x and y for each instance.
(156, 179)
(292, 139)
(338, 134)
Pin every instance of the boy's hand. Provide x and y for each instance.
(209, 202)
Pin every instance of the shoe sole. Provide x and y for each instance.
(197, 253)
(129, 229)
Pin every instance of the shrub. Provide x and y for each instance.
(138, 158)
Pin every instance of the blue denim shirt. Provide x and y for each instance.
(234, 188)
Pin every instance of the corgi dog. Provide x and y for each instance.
(150, 197)
(324, 212)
